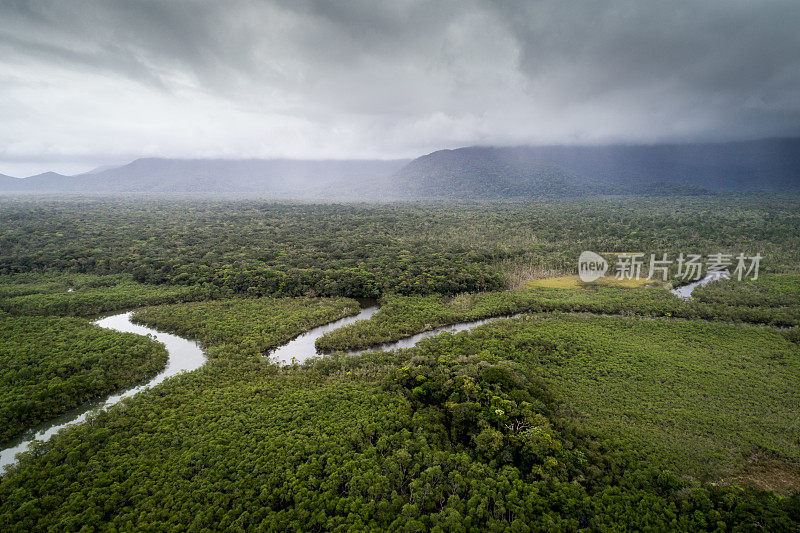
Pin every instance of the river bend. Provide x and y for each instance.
(186, 355)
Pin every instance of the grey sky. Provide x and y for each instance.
(96, 82)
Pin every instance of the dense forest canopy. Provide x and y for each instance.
(360, 250)
(53, 364)
(598, 406)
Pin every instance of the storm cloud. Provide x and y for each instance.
(90, 83)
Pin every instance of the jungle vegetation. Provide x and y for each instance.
(458, 433)
(598, 408)
(648, 383)
(50, 365)
(772, 299)
(778, 291)
(366, 251)
(86, 295)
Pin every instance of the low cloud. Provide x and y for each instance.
(101, 82)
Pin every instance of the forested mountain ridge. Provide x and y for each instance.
(485, 172)
(477, 172)
(524, 171)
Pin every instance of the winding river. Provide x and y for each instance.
(685, 291)
(186, 355)
(303, 347)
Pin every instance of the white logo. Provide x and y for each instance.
(591, 266)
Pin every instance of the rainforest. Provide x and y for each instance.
(406, 266)
(529, 400)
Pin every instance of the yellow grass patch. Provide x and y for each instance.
(559, 282)
(574, 282)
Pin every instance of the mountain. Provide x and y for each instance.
(100, 169)
(45, 181)
(477, 172)
(270, 178)
(500, 172)
(486, 172)
(7, 183)
(50, 180)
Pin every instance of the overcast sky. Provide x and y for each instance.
(85, 83)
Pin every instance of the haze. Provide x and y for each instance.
(92, 83)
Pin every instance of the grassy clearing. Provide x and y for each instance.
(574, 282)
(555, 282)
(767, 473)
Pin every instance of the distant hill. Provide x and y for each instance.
(100, 169)
(485, 172)
(476, 172)
(687, 169)
(7, 183)
(50, 180)
(270, 178)
(40, 182)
